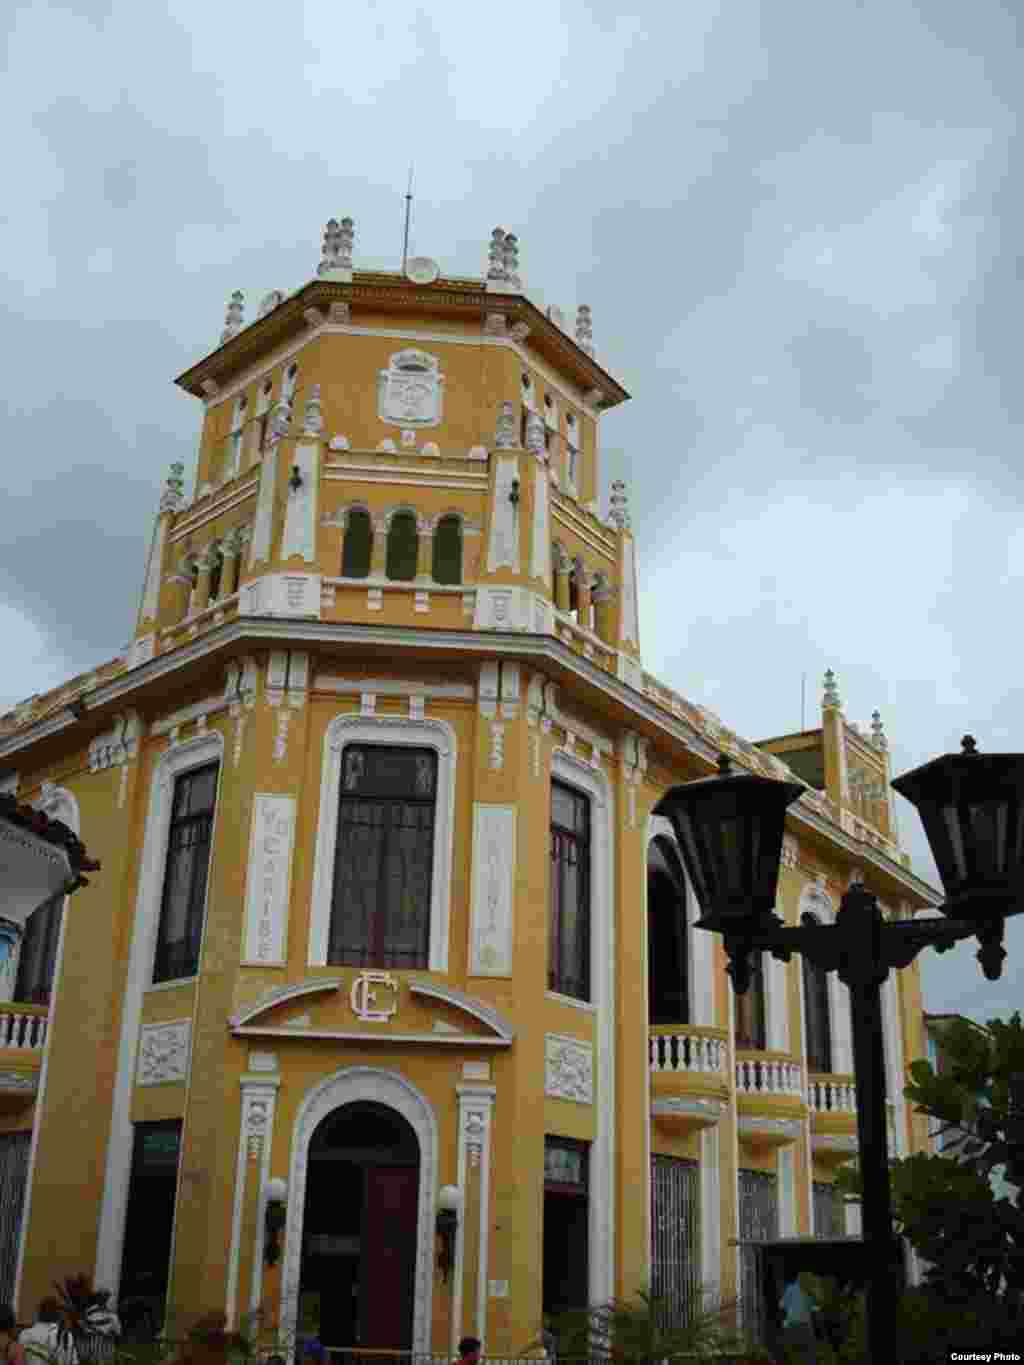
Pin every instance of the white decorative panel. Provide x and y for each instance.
(502, 609)
(263, 525)
(503, 549)
(286, 594)
(494, 860)
(269, 880)
(300, 514)
(568, 1068)
(163, 1052)
(410, 391)
(629, 631)
(540, 550)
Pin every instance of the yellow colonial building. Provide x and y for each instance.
(385, 928)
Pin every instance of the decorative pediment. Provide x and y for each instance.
(283, 995)
(378, 1008)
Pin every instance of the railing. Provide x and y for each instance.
(831, 1094)
(23, 1026)
(585, 641)
(690, 1049)
(761, 1074)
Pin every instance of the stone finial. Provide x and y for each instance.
(831, 697)
(510, 255)
(270, 302)
(173, 497)
(496, 255)
(620, 505)
(505, 429)
(535, 433)
(313, 420)
(329, 250)
(878, 738)
(346, 240)
(280, 419)
(233, 322)
(584, 329)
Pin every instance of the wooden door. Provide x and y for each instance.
(388, 1261)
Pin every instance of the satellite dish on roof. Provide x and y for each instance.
(422, 270)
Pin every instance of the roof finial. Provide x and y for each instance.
(878, 738)
(496, 255)
(831, 697)
(584, 329)
(346, 240)
(620, 505)
(505, 427)
(174, 493)
(329, 251)
(510, 256)
(233, 318)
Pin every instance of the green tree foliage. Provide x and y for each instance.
(970, 1236)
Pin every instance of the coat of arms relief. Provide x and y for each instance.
(410, 390)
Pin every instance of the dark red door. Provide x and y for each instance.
(388, 1259)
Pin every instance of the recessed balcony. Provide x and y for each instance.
(832, 1100)
(689, 1075)
(22, 1036)
(770, 1100)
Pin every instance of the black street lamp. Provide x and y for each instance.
(729, 829)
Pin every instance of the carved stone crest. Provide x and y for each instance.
(410, 390)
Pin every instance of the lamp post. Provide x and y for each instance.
(729, 830)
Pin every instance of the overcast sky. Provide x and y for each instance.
(799, 227)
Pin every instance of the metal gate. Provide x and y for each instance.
(13, 1178)
(675, 1263)
(759, 1221)
(828, 1210)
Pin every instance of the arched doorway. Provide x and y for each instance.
(359, 1228)
(668, 992)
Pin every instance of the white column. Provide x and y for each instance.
(259, 1093)
(711, 1213)
(476, 1106)
(785, 1173)
(259, 1096)
(777, 1020)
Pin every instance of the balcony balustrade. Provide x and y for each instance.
(22, 1037)
(689, 1067)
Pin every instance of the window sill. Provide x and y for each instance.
(587, 1006)
(170, 985)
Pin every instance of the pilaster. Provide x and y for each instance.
(469, 1307)
(252, 1170)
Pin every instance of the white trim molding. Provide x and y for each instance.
(259, 1095)
(427, 733)
(280, 995)
(571, 768)
(334, 1092)
(179, 758)
(59, 804)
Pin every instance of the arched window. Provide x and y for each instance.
(668, 995)
(447, 567)
(39, 953)
(403, 547)
(355, 552)
(216, 569)
(749, 1015)
(819, 1033)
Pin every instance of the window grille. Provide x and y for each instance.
(569, 939)
(828, 1210)
(185, 874)
(675, 1229)
(13, 1179)
(380, 909)
(759, 1221)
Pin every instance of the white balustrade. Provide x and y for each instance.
(826, 1096)
(26, 1032)
(683, 1050)
(768, 1076)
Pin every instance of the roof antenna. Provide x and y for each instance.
(408, 207)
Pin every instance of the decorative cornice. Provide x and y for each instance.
(533, 649)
